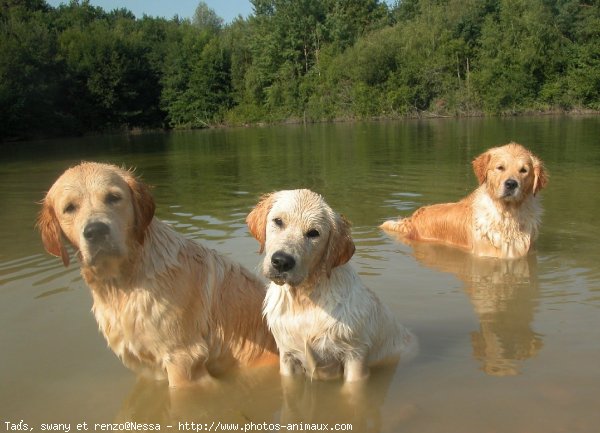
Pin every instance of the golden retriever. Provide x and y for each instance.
(500, 219)
(167, 306)
(325, 321)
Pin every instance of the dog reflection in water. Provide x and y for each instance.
(261, 395)
(504, 295)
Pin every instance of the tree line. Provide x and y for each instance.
(78, 68)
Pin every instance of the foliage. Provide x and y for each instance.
(206, 19)
(78, 68)
(28, 68)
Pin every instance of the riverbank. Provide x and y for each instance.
(299, 120)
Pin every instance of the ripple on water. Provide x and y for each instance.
(35, 270)
(564, 281)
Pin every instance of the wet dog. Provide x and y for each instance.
(325, 321)
(500, 219)
(167, 306)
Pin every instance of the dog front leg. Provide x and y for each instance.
(185, 370)
(355, 369)
(288, 365)
(178, 375)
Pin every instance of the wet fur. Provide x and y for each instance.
(168, 307)
(325, 321)
(488, 222)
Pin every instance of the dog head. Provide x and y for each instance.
(100, 209)
(303, 238)
(510, 173)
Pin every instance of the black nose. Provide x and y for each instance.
(95, 231)
(511, 184)
(282, 261)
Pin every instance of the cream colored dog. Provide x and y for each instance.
(501, 218)
(167, 306)
(325, 321)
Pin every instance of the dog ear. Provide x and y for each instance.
(51, 232)
(480, 165)
(541, 176)
(143, 205)
(341, 247)
(257, 219)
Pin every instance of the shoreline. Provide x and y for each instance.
(426, 115)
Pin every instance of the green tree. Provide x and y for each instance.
(210, 85)
(111, 83)
(28, 71)
(207, 19)
(78, 68)
(580, 84)
(521, 49)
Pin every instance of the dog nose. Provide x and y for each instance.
(511, 184)
(95, 231)
(282, 261)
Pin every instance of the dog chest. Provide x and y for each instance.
(307, 331)
(131, 327)
(504, 232)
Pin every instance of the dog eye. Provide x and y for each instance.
(112, 198)
(278, 222)
(312, 233)
(523, 170)
(69, 208)
(500, 168)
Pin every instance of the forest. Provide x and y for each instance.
(78, 69)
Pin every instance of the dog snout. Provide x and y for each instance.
(511, 184)
(96, 231)
(282, 262)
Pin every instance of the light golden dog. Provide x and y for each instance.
(500, 219)
(325, 321)
(167, 306)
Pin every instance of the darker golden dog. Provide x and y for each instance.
(501, 218)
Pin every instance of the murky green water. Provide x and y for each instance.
(506, 346)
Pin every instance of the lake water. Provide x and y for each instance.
(505, 346)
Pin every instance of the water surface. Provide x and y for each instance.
(508, 346)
